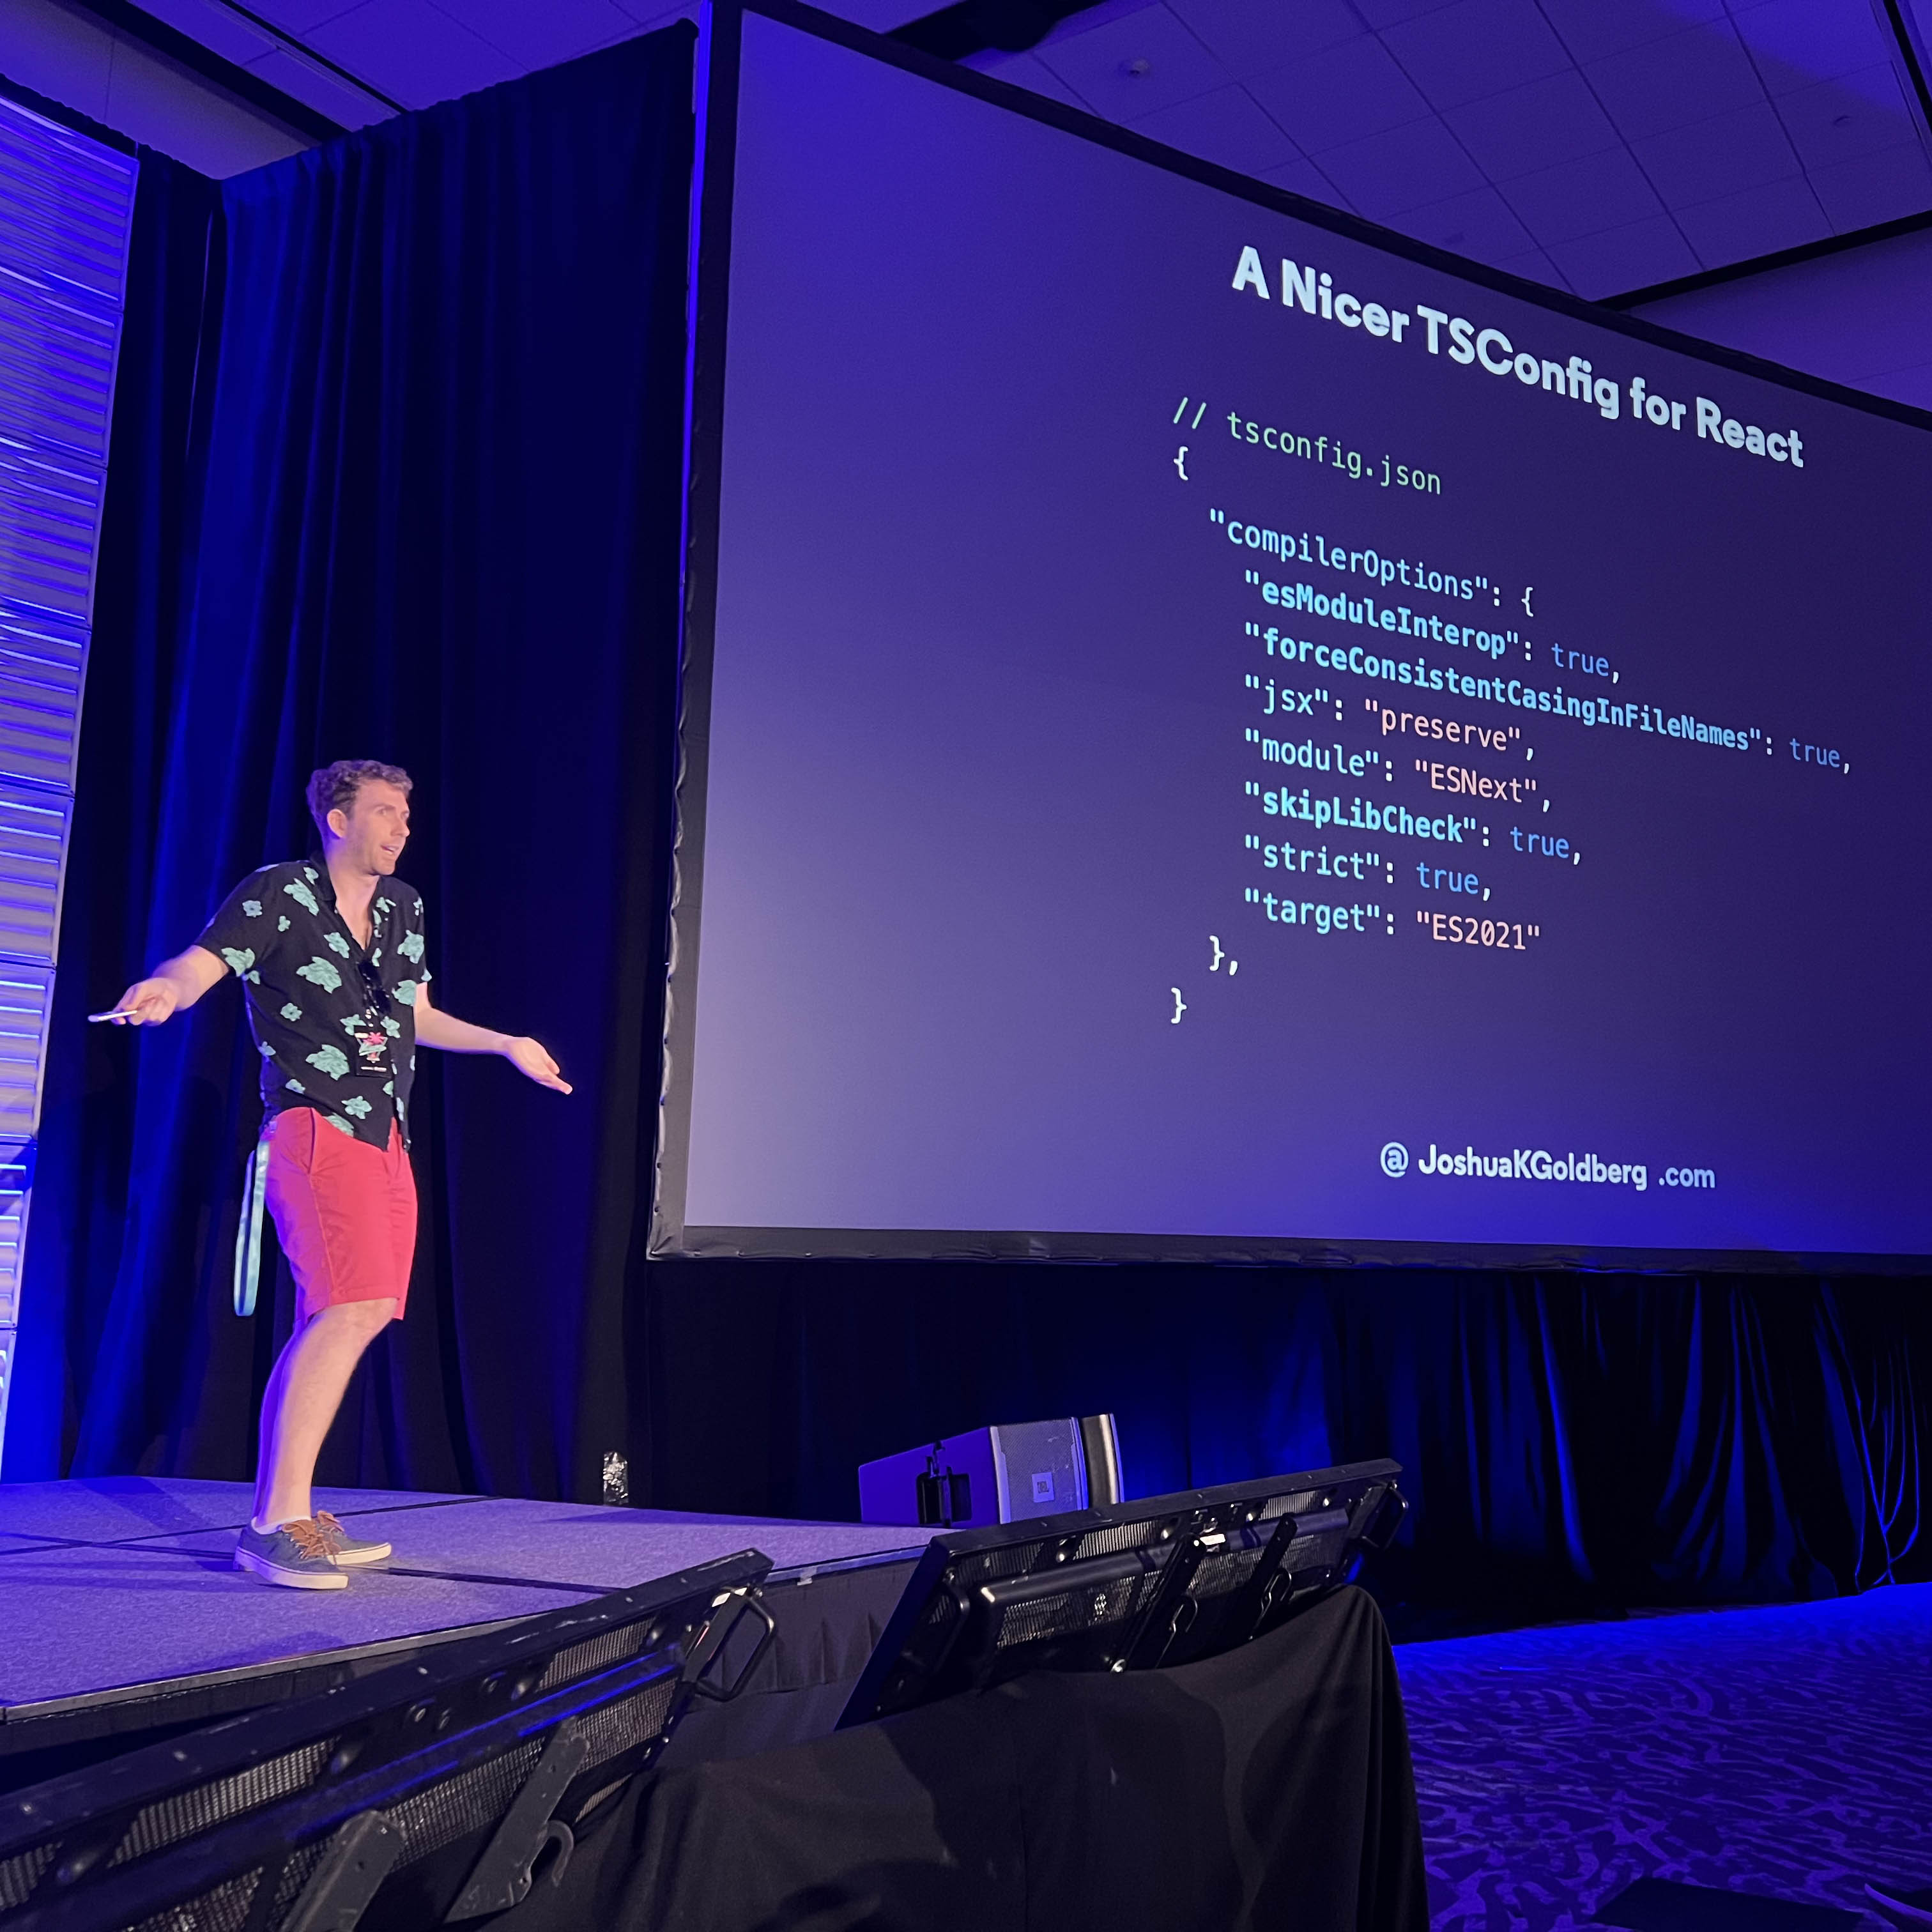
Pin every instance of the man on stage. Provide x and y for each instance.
(330, 954)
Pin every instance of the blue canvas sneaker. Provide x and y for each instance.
(345, 1548)
(295, 1555)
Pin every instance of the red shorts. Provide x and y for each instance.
(345, 1212)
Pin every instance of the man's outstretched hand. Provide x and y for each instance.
(147, 1003)
(528, 1057)
(172, 988)
(437, 1028)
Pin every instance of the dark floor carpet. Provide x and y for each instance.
(1785, 1753)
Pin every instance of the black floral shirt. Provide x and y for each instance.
(336, 1027)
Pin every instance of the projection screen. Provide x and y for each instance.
(1210, 731)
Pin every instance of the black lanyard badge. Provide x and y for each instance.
(371, 1037)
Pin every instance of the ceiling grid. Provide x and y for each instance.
(1599, 145)
(1630, 151)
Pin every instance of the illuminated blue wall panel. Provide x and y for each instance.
(66, 203)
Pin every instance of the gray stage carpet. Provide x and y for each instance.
(113, 1589)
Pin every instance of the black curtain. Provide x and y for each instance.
(394, 474)
(421, 506)
(1571, 1442)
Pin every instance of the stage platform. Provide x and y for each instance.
(124, 1614)
(1775, 1756)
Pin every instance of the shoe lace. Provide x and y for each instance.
(331, 1526)
(308, 1536)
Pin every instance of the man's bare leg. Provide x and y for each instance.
(300, 1400)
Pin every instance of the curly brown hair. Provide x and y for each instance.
(337, 784)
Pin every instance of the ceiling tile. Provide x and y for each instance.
(1479, 224)
(1226, 127)
(1026, 70)
(1582, 197)
(1797, 42)
(632, 30)
(215, 27)
(1380, 13)
(1475, 48)
(1304, 178)
(1622, 258)
(1840, 120)
(882, 16)
(541, 37)
(1760, 221)
(347, 106)
(1723, 155)
(1671, 83)
(154, 101)
(1251, 36)
(1904, 385)
(1875, 188)
(1844, 316)
(298, 16)
(1592, 28)
(1406, 167)
(66, 56)
(1100, 65)
(1549, 121)
(1343, 94)
(413, 51)
(652, 14)
(1534, 266)
(1085, 20)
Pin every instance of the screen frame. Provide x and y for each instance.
(715, 99)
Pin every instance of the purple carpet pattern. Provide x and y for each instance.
(1784, 1752)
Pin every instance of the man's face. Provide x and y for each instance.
(375, 828)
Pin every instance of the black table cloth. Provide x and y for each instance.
(1268, 1787)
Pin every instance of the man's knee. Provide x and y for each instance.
(366, 1319)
